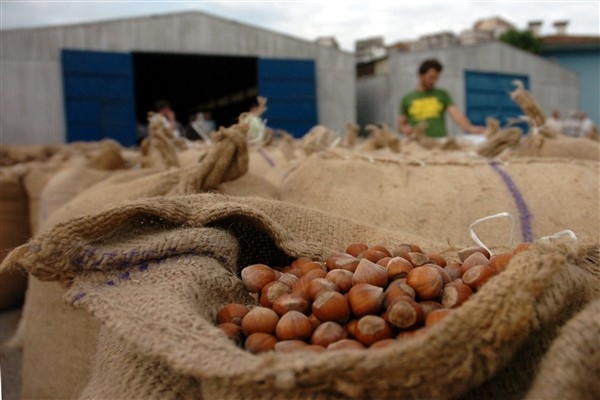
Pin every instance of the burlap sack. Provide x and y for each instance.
(155, 271)
(72, 333)
(440, 197)
(571, 368)
(14, 231)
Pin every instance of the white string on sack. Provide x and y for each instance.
(566, 232)
(499, 215)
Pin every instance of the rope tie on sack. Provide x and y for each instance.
(524, 213)
(225, 161)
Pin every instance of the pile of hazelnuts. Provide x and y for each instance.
(365, 297)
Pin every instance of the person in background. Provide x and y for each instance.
(163, 107)
(429, 104)
(200, 126)
(554, 122)
(588, 128)
(572, 124)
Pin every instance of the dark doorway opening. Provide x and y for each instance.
(224, 85)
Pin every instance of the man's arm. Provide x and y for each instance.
(403, 125)
(463, 121)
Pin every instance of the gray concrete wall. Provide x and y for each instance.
(372, 94)
(551, 85)
(32, 106)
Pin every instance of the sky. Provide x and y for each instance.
(347, 21)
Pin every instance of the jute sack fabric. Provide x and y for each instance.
(441, 196)
(571, 369)
(155, 272)
(14, 231)
(509, 143)
(59, 370)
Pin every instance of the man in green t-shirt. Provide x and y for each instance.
(429, 104)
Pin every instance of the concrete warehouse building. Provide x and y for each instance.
(96, 80)
(479, 77)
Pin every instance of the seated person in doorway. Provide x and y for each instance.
(200, 127)
(428, 104)
(163, 107)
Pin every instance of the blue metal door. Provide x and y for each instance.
(99, 96)
(488, 95)
(290, 89)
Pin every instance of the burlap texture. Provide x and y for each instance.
(155, 272)
(58, 344)
(14, 231)
(571, 368)
(81, 188)
(557, 147)
(440, 196)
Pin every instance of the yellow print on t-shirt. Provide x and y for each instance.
(426, 108)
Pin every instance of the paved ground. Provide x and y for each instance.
(10, 359)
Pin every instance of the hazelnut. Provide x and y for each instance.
(233, 332)
(287, 346)
(500, 261)
(291, 301)
(453, 269)
(371, 329)
(298, 262)
(331, 306)
(467, 252)
(437, 259)
(260, 342)
(271, 291)
(256, 276)
(478, 275)
(436, 316)
(354, 249)
(232, 312)
(454, 294)
(365, 298)
(426, 281)
(395, 292)
(301, 287)
(371, 255)
(369, 272)
(316, 273)
(398, 267)
(381, 249)
(342, 261)
(351, 327)
(319, 285)
(430, 305)
(404, 314)
(288, 278)
(293, 325)
(309, 266)
(473, 260)
(259, 319)
(328, 332)
(345, 344)
(445, 277)
(342, 279)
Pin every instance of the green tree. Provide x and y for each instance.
(525, 40)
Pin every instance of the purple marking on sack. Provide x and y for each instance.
(78, 296)
(266, 157)
(524, 213)
(110, 283)
(90, 251)
(144, 267)
(125, 276)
